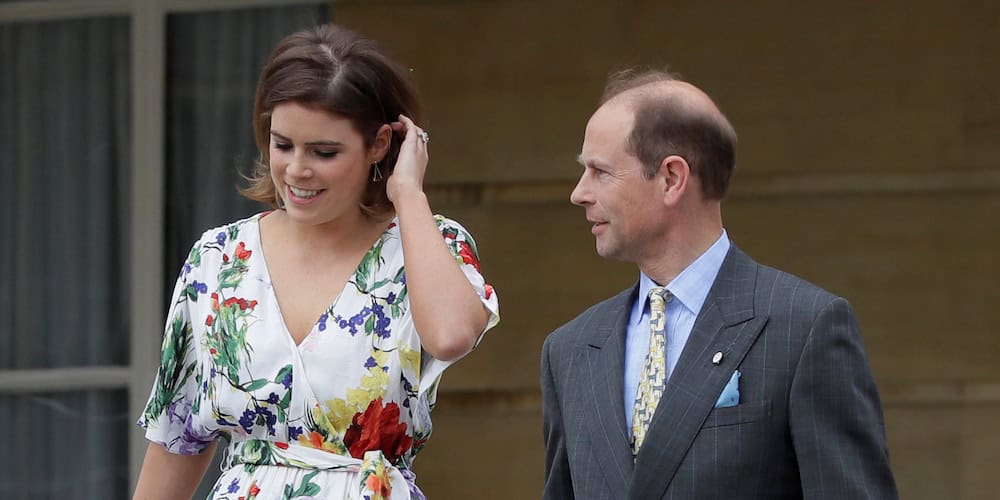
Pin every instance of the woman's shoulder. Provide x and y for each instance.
(231, 231)
(451, 228)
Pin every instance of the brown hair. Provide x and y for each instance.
(338, 71)
(668, 123)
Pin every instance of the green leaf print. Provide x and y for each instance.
(306, 488)
(194, 258)
(282, 373)
(369, 264)
(173, 373)
(231, 277)
(256, 384)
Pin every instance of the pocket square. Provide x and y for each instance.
(731, 393)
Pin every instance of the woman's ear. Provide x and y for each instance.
(383, 138)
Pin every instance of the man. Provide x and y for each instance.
(757, 384)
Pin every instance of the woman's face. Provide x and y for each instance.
(319, 164)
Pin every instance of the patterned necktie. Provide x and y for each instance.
(654, 370)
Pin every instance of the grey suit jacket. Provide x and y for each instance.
(808, 425)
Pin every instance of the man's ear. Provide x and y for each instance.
(676, 173)
(381, 145)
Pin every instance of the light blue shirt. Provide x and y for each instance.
(689, 289)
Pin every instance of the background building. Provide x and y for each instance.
(869, 163)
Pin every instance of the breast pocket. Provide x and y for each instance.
(739, 414)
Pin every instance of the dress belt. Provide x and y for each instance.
(377, 478)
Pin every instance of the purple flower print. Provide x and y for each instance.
(221, 238)
(287, 381)
(390, 298)
(248, 419)
(199, 286)
(234, 486)
(272, 398)
(381, 322)
(269, 418)
(322, 322)
(195, 438)
(294, 432)
(370, 363)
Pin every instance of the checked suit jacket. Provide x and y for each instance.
(808, 424)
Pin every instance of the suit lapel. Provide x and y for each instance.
(604, 355)
(726, 324)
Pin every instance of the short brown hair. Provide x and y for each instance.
(338, 71)
(666, 123)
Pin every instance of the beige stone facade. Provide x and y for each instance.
(869, 163)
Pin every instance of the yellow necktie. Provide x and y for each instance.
(654, 370)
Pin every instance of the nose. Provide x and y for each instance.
(580, 195)
(297, 166)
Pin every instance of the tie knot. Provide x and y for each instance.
(658, 298)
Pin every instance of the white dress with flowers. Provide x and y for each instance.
(340, 415)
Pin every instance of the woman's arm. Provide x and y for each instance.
(169, 476)
(447, 311)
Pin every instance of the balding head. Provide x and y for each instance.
(673, 117)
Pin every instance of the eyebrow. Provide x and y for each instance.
(592, 163)
(313, 143)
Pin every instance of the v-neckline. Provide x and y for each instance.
(274, 296)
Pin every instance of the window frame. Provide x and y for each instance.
(146, 220)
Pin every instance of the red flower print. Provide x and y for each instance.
(489, 290)
(215, 301)
(209, 320)
(241, 252)
(467, 255)
(378, 428)
(279, 444)
(225, 259)
(242, 303)
(254, 490)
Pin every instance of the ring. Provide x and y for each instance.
(424, 136)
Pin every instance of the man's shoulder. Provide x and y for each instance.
(778, 286)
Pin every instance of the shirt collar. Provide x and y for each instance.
(692, 285)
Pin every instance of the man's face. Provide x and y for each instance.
(625, 208)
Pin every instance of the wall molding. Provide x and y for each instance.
(745, 187)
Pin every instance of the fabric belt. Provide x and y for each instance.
(377, 477)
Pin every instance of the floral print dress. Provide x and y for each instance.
(340, 415)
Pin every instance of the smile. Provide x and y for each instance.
(304, 193)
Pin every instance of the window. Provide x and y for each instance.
(125, 124)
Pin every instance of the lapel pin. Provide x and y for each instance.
(717, 358)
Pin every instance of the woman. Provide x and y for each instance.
(295, 334)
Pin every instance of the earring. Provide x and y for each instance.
(377, 174)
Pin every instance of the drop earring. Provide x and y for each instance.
(376, 174)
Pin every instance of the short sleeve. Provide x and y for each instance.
(463, 248)
(169, 415)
